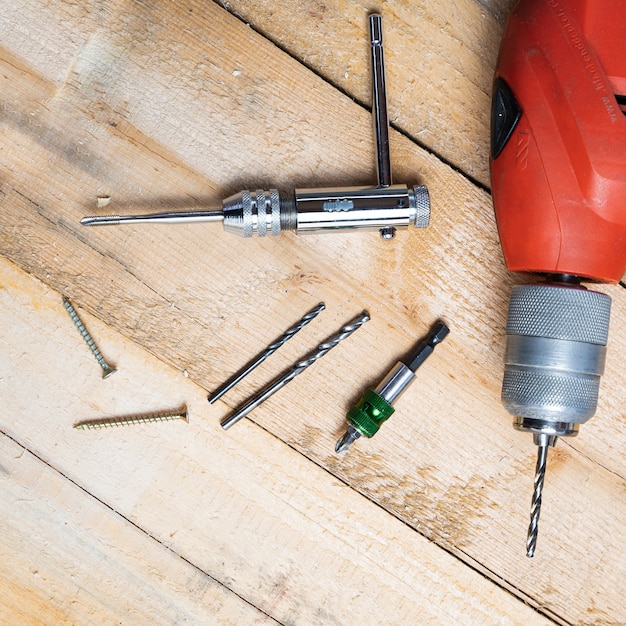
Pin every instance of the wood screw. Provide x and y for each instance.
(106, 368)
(133, 419)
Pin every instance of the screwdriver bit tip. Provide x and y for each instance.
(347, 439)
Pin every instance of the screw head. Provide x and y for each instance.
(106, 372)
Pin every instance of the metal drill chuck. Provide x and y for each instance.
(555, 353)
(316, 210)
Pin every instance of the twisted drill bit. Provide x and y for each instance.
(543, 442)
(298, 368)
(286, 336)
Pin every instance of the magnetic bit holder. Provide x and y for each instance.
(375, 406)
(385, 207)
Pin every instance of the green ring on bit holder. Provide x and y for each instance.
(369, 413)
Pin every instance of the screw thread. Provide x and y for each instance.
(132, 419)
(91, 344)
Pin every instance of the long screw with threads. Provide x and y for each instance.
(107, 369)
(133, 419)
(543, 442)
(298, 368)
(286, 336)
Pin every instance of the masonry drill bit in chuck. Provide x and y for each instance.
(298, 368)
(375, 406)
(385, 207)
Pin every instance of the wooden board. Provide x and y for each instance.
(440, 58)
(176, 523)
(171, 106)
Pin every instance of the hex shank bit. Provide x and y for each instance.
(298, 368)
(376, 405)
(257, 360)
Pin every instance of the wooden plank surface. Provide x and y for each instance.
(175, 106)
(440, 57)
(176, 523)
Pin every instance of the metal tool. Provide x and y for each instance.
(286, 336)
(298, 368)
(557, 171)
(107, 369)
(133, 419)
(543, 442)
(375, 406)
(385, 207)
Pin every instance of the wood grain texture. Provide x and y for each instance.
(68, 558)
(175, 523)
(171, 106)
(440, 60)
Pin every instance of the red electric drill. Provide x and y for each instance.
(558, 173)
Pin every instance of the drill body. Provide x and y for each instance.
(559, 139)
(558, 174)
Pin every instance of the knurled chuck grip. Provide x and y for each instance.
(555, 353)
(262, 212)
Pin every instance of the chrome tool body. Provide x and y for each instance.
(385, 207)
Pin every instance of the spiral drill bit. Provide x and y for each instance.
(543, 442)
(286, 336)
(298, 368)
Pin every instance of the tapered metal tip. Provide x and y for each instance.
(347, 439)
(169, 217)
(100, 220)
